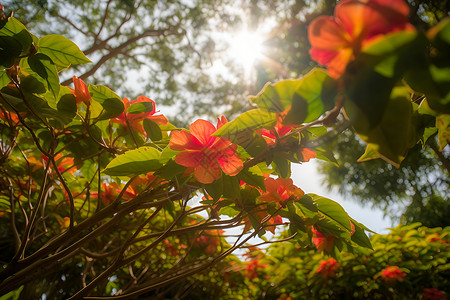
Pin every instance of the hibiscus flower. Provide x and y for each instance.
(337, 40)
(205, 153)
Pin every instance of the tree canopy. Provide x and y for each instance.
(103, 196)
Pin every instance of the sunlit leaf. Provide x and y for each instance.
(134, 162)
(333, 210)
(253, 119)
(62, 51)
(112, 104)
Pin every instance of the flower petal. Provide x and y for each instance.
(324, 33)
(183, 140)
(231, 164)
(189, 158)
(207, 172)
(372, 17)
(81, 90)
(202, 130)
(339, 63)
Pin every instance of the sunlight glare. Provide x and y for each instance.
(246, 47)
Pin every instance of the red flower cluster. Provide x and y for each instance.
(280, 190)
(392, 274)
(337, 40)
(328, 268)
(205, 153)
(209, 240)
(251, 270)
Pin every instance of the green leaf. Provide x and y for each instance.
(332, 210)
(250, 120)
(230, 186)
(67, 105)
(396, 132)
(380, 65)
(359, 236)
(152, 129)
(215, 189)
(253, 176)
(42, 68)
(306, 206)
(170, 170)
(303, 99)
(62, 51)
(281, 166)
(15, 39)
(4, 79)
(112, 104)
(140, 107)
(134, 162)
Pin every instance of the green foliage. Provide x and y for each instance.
(421, 253)
(95, 189)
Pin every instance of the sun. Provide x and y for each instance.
(246, 48)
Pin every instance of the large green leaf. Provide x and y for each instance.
(332, 210)
(134, 162)
(375, 73)
(41, 67)
(304, 99)
(112, 104)
(62, 51)
(395, 133)
(250, 120)
(4, 79)
(15, 40)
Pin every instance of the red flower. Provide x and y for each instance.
(206, 154)
(65, 164)
(81, 91)
(270, 136)
(322, 241)
(279, 190)
(328, 268)
(392, 274)
(109, 193)
(252, 268)
(433, 294)
(135, 119)
(337, 40)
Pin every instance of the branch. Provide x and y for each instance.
(115, 51)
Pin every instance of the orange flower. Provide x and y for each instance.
(337, 40)
(65, 164)
(81, 91)
(252, 268)
(328, 268)
(109, 194)
(322, 241)
(280, 190)
(206, 154)
(135, 119)
(269, 135)
(392, 274)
